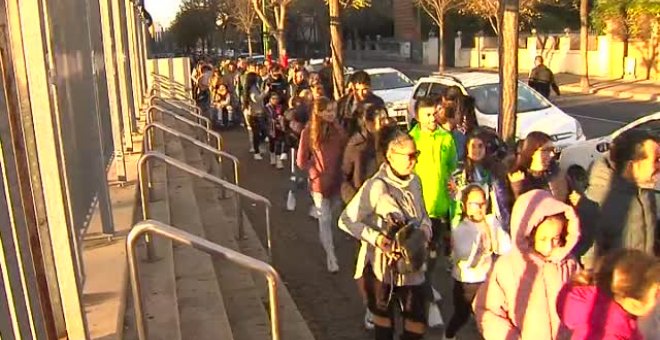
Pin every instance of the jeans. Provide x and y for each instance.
(258, 129)
(324, 207)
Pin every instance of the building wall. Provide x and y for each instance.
(406, 20)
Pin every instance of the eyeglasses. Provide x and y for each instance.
(476, 204)
(411, 156)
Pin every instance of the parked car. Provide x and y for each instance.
(535, 112)
(577, 159)
(394, 87)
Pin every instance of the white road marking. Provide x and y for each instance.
(618, 122)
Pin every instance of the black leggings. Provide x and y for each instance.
(463, 295)
(258, 127)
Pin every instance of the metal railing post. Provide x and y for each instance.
(184, 238)
(144, 195)
(209, 132)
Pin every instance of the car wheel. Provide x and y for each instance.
(578, 177)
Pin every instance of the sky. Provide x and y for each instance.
(162, 11)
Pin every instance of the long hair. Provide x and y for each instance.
(534, 141)
(319, 128)
(471, 165)
(251, 80)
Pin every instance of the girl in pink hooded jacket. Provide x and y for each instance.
(604, 304)
(518, 299)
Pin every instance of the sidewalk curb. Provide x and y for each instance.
(613, 94)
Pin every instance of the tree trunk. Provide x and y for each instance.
(280, 35)
(584, 44)
(441, 42)
(508, 50)
(249, 39)
(337, 47)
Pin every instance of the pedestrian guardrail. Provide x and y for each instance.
(183, 105)
(209, 132)
(176, 133)
(181, 237)
(143, 179)
(173, 92)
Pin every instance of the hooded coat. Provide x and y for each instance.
(592, 314)
(519, 297)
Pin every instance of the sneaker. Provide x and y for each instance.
(273, 159)
(368, 320)
(284, 156)
(333, 267)
(444, 337)
(434, 316)
(252, 149)
(257, 157)
(279, 164)
(314, 213)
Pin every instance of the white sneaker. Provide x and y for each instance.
(257, 157)
(284, 156)
(279, 164)
(444, 337)
(273, 159)
(368, 320)
(333, 267)
(314, 213)
(252, 149)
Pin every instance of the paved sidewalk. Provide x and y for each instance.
(640, 90)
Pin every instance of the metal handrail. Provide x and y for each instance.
(144, 185)
(183, 95)
(180, 105)
(192, 140)
(182, 237)
(209, 132)
(162, 78)
(174, 91)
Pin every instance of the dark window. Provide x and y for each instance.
(421, 90)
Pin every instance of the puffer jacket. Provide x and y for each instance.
(591, 314)
(381, 195)
(627, 212)
(519, 297)
(435, 164)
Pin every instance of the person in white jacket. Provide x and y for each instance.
(476, 241)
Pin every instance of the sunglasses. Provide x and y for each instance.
(411, 156)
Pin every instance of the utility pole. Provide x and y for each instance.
(508, 52)
(337, 47)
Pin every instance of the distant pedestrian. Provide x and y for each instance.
(276, 128)
(518, 299)
(542, 79)
(253, 105)
(605, 303)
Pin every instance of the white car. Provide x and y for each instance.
(535, 112)
(578, 158)
(395, 88)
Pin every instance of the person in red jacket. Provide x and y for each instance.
(320, 153)
(604, 304)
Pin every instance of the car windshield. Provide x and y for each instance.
(487, 99)
(389, 80)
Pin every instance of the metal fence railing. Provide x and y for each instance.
(181, 237)
(143, 179)
(209, 132)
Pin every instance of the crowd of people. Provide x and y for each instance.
(532, 254)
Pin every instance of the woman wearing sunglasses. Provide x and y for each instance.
(476, 241)
(394, 191)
